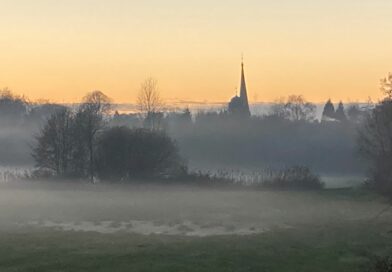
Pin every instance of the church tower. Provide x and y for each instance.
(244, 92)
(239, 105)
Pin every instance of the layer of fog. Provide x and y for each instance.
(172, 210)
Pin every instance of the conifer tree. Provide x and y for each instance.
(329, 111)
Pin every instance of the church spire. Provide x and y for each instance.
(243, 90)
(239, 105)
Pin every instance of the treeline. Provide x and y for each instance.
(375, 142)
(79, 143)
(289, 134)
(88, 141)
(20, 120)
(18, 110)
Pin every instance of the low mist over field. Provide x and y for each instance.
(67, 225)
(176, 209)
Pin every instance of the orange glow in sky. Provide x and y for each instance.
(61, 49)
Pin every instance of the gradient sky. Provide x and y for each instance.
(61, 49)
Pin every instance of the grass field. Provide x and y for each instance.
(152, 228)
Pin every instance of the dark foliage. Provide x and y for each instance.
(42, 112)
(340, 114)
(54, 145)
(124, 153)
(375, 144)
(213, 139)
(294, 178)
(356, 115)
(294, 108)
(329, 111)
(330, 114)
(270, 141)
(12, 108)
(127, 120)
(67, 142)
(291, 178)
(179, 120)
(91, 114)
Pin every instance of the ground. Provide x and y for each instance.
(171, 228)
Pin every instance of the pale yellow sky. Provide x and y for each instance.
(62, 49)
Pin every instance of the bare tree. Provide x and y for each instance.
(67, 143)
(277, 108)
(97, 102)
(90, 118)
(295, 108)
(150, 103)
(54, 144)
(386, 85)
(299, 109)
(375, 144)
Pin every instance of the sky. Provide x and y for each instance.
(61, 49)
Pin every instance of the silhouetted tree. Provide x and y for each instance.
(299, 109)
(154, 121)
(295, 108)
(12, 108)
(355, 114)
(150, 104)
(90, 120)
(375, 144)
(66, 145)
(42, 112)
(329, 111)
(125, 153)
(186, 116)
(296, 177)
(215, 138)
(176, 121)
(53, 151)
(340, 113)
(277, 109)
(128, 120)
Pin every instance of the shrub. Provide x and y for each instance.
(294, 178)
(124, 153)
(297, 177)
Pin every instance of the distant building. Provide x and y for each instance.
(239, 105)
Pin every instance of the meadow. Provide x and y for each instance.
(79, 227)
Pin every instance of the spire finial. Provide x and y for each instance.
(242, 58)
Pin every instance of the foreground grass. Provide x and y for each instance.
(338, 247)
(329, 230)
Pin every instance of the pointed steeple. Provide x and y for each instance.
(239, 105)
(243, 90)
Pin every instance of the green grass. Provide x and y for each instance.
(348, 247)
(331, 230)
